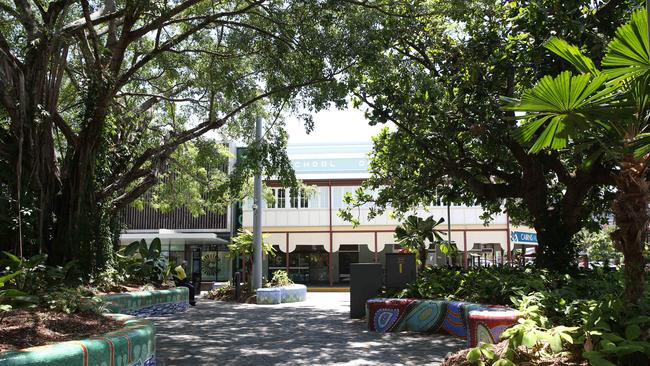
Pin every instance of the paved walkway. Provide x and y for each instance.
(316, 332)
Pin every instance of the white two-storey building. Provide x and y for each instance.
(314, 245)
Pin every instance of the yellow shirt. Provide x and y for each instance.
(180, 273)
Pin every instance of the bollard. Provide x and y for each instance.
(237, 282)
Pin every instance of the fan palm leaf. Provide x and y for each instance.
(558, 108)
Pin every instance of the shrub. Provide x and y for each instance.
(30, 283)
(144, 263)
(280, 278)
(580, 315)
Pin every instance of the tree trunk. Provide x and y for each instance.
(630, 209)
(422, 254)
(555, 249)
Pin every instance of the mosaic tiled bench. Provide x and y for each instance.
(282, 294)
(149, 303)
(473, 322)
(132, 345)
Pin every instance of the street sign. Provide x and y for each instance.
(522, 237)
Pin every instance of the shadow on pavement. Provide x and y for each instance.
(318, 332)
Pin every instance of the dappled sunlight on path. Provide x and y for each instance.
(316, 332)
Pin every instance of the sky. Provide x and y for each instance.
(333, 126)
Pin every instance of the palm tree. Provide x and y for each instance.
(605, 110)
(416, 234)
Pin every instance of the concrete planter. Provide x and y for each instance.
(282, 294)
(473, 322)
(132, 345)
(149, 303)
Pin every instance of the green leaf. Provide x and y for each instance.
(14, 260)
(7, 278)
(155, 248)
(596, 359)
(632, 332)
(143, 249)
(529, 339)
(627, 54)
(503, 362)
(12, 293)
(572, 54)
(132, 248)
(558, 108)
(607, 345)
(474, 355)
(556, 343)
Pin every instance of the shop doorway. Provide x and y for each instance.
(308, 264)
(348, 254)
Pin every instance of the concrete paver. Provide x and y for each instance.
(315, 332)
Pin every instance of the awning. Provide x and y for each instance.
(173, 237)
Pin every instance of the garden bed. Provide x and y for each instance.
(132, 342)
(23, 329)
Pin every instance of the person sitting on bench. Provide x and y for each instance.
(181, 280)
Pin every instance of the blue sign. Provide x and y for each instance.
(523, 237)
(337, 165)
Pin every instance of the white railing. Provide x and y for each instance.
(306, 217)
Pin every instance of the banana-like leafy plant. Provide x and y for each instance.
(605, 111)
(148, 265)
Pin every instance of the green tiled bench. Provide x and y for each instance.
(134, 344)
(149, 303)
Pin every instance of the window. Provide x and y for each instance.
(278, 195)
(300, 199)
(304, 200)
(280, 198)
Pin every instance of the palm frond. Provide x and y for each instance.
(627, 53)
(572, 54)
(557, 108)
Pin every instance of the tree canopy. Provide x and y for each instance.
(96, 98)
(440, 81)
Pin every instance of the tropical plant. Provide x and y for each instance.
(31, 283)
(147, 263)
(416, 234)
(280, 278)
(598, 246)
(73, 299)
(605, 111)
(34, 277)
(241, 246)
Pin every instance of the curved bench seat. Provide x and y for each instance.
(282, 294)
(473, 322)
(149, 303)
(134, 344)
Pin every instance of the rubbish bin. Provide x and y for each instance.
(400, 270)
(365, 283)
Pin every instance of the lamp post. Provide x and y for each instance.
(256, 281)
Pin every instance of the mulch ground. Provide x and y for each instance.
(22, 329)
(522, 358)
